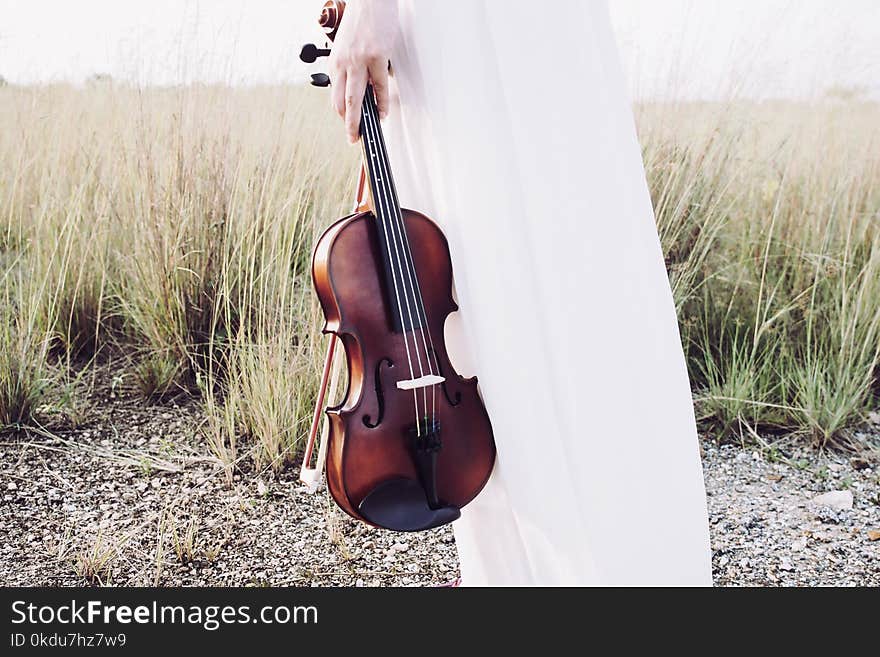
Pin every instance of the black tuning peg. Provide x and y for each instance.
(310, 52)
(320, 80)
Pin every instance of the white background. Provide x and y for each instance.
(690, 48)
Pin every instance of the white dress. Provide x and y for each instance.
(510, 127)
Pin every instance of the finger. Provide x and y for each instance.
(355, 85)
(337, 92)
(379, 80)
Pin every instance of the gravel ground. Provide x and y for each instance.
(811, 521)
(132, 497)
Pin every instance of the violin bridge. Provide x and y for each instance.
(421, 382)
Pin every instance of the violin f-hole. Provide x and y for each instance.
(380, 395)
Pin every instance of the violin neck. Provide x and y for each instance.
(407, 313)
(383, 194)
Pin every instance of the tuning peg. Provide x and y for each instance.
(320, 80)
(310, 52)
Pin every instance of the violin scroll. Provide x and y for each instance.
(331, 17)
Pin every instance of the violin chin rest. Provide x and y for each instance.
(401, 505)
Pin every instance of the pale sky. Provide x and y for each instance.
(692, 48)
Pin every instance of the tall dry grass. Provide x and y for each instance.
(174, 227)
(769, 214)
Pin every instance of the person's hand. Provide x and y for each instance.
(360, 54)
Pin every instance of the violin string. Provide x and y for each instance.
(413, 277)
(371, 115)
(380, 211)
(401, 247)
(415, 286)
(370, 156)
(426, 329)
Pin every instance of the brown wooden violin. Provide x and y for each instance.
(410, 443)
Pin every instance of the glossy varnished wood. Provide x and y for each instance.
(349, 285)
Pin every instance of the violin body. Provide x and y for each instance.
(375, 470)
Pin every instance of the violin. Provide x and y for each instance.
(410, 443)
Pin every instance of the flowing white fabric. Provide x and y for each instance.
(511, 128)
